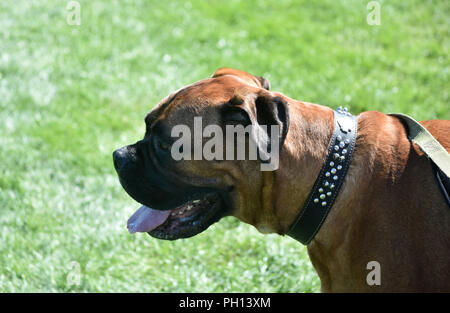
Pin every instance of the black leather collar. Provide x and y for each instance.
(330, 179)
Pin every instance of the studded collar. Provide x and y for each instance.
(331, 176)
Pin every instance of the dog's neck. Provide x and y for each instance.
(314, 125)
(301, 158)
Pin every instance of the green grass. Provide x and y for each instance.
(70, 95)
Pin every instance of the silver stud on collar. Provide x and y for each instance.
(316, 200)
(332, 186)
(327, 174)
(339, 138)
(320, 190)
(342, 158)
(326, 183)
(335, 177)
(322, 196)
(342, 110)
(333, 171)
(347, 141)
(331, 163)
(329, 193)
(324, 203)
(339, 167)
(341, 144)
(344, 151)
(336, 148)
(336, 156)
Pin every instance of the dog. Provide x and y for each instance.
(389, 209)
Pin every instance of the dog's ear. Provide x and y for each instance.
(256, 81)
(267, 111)
(270, 111)
(264, 82)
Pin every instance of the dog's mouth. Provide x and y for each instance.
(186, 220)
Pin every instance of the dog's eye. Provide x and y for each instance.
(236, 116)
(162, 145)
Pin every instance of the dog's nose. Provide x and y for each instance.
(120, 157)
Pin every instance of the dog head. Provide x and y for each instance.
(181, 197)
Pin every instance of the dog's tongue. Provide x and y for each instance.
(146, 219)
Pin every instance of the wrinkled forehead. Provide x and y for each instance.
(194, 99)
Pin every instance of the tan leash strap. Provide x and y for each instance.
(427, 143)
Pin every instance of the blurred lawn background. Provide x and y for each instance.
(70, 95)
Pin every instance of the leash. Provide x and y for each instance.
(439, 157)
(332, 174)
(426, 142)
